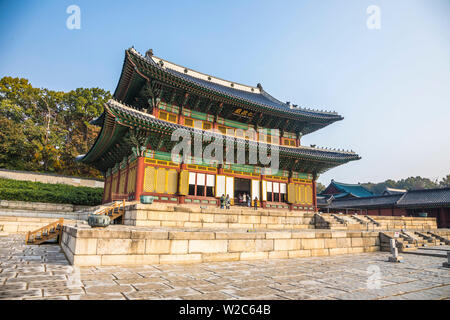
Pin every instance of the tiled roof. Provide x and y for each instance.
(388, 190)
(258, 96)
(355, 190)
(425, 197)
(373, 201)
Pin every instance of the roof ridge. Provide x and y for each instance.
(375, 196)
(349, 184)
(401, 198)
(428, 190)
(389, 188)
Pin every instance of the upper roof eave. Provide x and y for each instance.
(270, 103)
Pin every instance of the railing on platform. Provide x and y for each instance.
(48, 232)
(114, 211)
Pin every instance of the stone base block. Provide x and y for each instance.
(395, 259)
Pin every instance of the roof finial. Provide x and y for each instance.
(149, 53)
(259, 86)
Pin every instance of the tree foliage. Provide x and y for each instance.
(44, 130)
(48, 192)
(411, 183)
(319, 187)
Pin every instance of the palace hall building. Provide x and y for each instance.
(155, 97)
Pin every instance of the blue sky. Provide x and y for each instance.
(392, 85)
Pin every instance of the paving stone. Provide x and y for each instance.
(109, 289)
(151, 286)
(142, 295)
(13, 287)
(25, 276)
(6, 295)
(63, 291)
(97, 297)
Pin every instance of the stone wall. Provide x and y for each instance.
(168, 215)
(125, 245)
(162, 215)
(43, 210)
(50, 178)
(415, 223)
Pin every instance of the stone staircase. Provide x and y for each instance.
(351, 222)
(329, 221)
(411, 236)
(430, 239)
(439, 237)
(403, 242)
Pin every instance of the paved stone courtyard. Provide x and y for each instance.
(42, 272)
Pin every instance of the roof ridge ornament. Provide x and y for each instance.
(149, 53)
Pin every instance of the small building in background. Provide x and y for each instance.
(432, 202)
(339, 190)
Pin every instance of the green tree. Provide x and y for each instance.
(44, 130)
(445, 182)
(319, 187)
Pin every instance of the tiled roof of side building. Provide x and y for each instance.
(250, 94)
(356, 190)
(425, 197)
(374, 201)
(116, 106)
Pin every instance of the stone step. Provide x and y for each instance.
(406, 250)
(423, 252)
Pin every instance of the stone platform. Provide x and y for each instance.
(130, 245)
(188, 216)
(163, 234)
(29, 272)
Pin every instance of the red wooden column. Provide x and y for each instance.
(181, 198)
(155, 111)
(290, 180)
(139, 178)
(314, 194)
(261, 191)
(298, 139)
(119, 172)
(105, 196)
(125, 185)
(110, 187)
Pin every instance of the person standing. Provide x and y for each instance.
(255, 203)
(222, 201)
(227, 201)
(249, 201)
